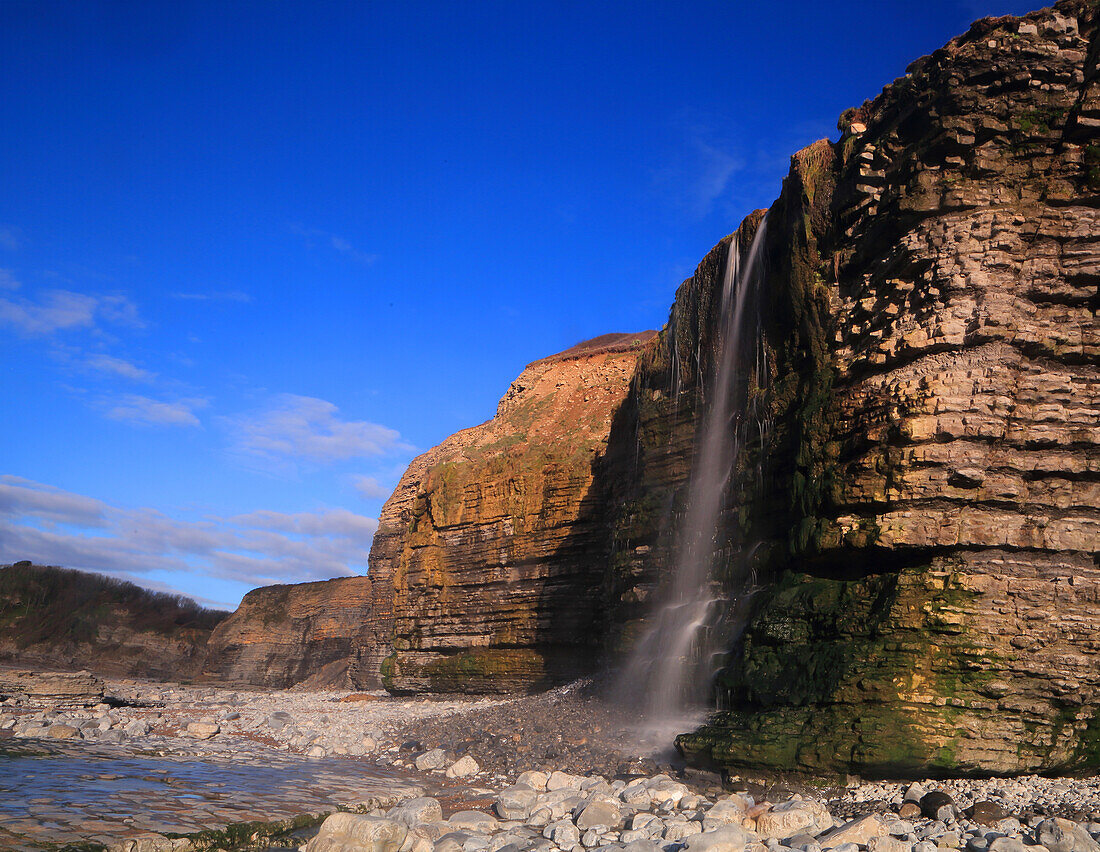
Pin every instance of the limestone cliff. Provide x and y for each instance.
(933, 518)
(488, 563)
(304, 634)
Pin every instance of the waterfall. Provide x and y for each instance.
(672, 668)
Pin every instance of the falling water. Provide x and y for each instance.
(675, 662)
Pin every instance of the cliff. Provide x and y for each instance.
(909, 540)
(305, 634)
(488, 561)
(930, 498)
(53, 618)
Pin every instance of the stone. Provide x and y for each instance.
(422, 809)
(909, 810)
(515, 802)
(938, 805)
(453, 841)
(794, 817)
(464, 767)
(727, 838)
(986, 812)
(888, 844)
(858, 831)
(202, 730)
(731, 810)
(563, 833)
(664, 789)
(434, 759)
(62, 732)
(599, 812)
(563, 781)
(344, 832)
(1063, 835)
(678, 829)
(1007, 844)
(474, 822)
(534, 779)
(278, 720)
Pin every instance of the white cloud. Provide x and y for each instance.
(371, 488)
(315, 236)
(309, 429)
(217, 296)
(119, 367)
(64, 310)
(145, 411)
(51, 526)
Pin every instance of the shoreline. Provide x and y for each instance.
(461, 749)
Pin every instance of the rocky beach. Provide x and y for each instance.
(133, 765)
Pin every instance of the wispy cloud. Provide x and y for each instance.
(315, 237)
(8, 281)
(52, 526)
(333, 522)
(64, 310)
(19, 496)
(144, 411)
(371, 488)
(119, 367)
(215, 296)
(9, 238)
(304, 428)
(703, 171)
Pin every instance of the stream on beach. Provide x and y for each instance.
(57, 796)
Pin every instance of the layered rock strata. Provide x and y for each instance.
(488, 562)
(935, 608)
(281, 636)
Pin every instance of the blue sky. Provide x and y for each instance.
(254, 256)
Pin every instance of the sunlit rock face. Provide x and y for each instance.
(935, 603)
(282, 636)
(917, 524)
(489, 560)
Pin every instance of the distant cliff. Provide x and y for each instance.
(53, 618)
(287, 635)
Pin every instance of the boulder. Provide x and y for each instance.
(343, 832)
(416, 811)
(202, 730)
(475, 822)
(563, 781)
(515, 802)
(1063, 835)
(727, 838)
(858, 831)
(603, 812)
(464, 767)
(534, 779)
(794, 817)
(434, 759)
(938, 805)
